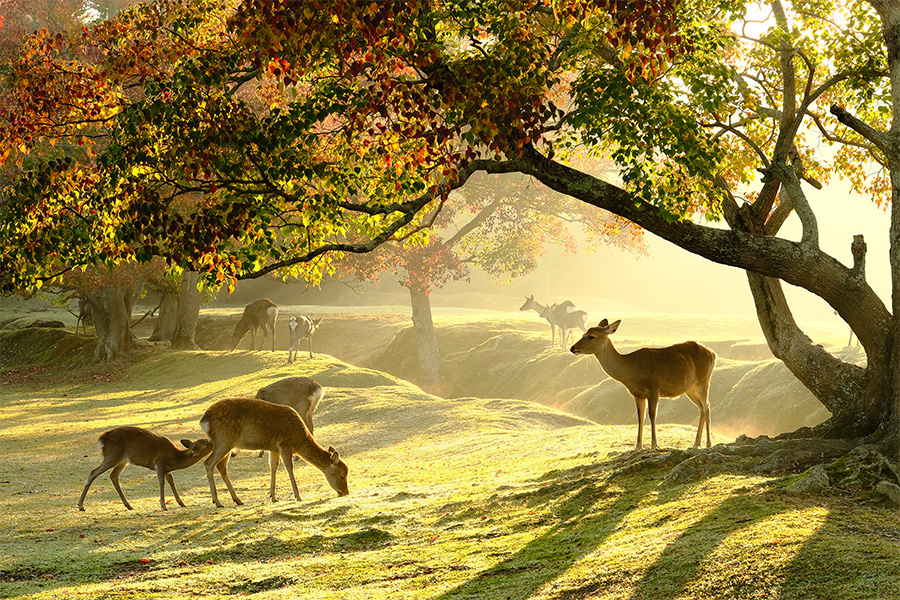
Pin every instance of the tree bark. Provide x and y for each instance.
(188, 312)
(165, 322)
(426, 342)
(112, 306)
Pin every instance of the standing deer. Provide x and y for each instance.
(651, 373)
(566, 317)
(300, 393)
(85, 315)
(258, 425)
(561, 316)
(260, 313)
(304, 327)
(143, 448)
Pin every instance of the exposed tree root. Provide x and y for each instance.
(825, 463)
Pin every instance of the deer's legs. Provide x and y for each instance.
(652, 403)
(289, 466)
(219, 460)
(114, 477)
(104, 466)
(273, 469)
(171, 481)
(699, 397)
(641, 405)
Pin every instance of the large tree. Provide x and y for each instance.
(311, 128)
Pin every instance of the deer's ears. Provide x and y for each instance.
(335, 457)
(186, 443)
(609, 327)
(317, 321)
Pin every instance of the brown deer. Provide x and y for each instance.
(301, 328)
(85, 315)
(300, 393)
(260, 313)
(143, 448)
(652, 373)
(259, 425)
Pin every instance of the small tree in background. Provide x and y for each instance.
(499, 224)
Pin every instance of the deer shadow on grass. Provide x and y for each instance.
(584, 524)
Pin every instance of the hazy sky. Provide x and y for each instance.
(673, 280)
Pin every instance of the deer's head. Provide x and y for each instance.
(596, 338)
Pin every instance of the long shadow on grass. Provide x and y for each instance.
(682, 559)
(581, 530)
(849, 556)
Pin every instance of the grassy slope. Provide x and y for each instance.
(467, 498)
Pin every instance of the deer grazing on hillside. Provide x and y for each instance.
(653, 373)
(85, 314)
(303, 394)
(304, 327)
(259, 425)
(260, 313)
(143, 448)
(563, 316)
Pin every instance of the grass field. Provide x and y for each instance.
(465, 498)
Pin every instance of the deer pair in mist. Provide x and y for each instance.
(279, 421)
(261, 314)
(563, 317)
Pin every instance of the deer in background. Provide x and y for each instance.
(301, 328)
(561, 316)
(143, 448)
(303, 394)
(258, 314)
(566, 317)
(652, 373)
(259, 425)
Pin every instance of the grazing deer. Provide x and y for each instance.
(143, 448)
(304, 327)
(258, 425)
(300, 393)
(651, 373)
(260, 313)
(566, 317)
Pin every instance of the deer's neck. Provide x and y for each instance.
(315, 454)
(615, 365)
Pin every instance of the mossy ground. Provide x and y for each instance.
(464, 498)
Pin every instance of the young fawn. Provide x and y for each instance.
(259, 425)
(140, 447)
(653, 373)
(304, 327)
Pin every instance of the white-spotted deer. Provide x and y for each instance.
(301, 328)
(303, 394)
(259, 425)
(143, 448)
(260, 313)
(653, 373)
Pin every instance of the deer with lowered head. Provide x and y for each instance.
(138, 446)
(301, 328)
(653, 373)
(259, 425)
(303, 394)
(258, 314)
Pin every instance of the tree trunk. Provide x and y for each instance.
(165, 322)
(861, 400)
(426, 343)
(112, 307)
(188, 312)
